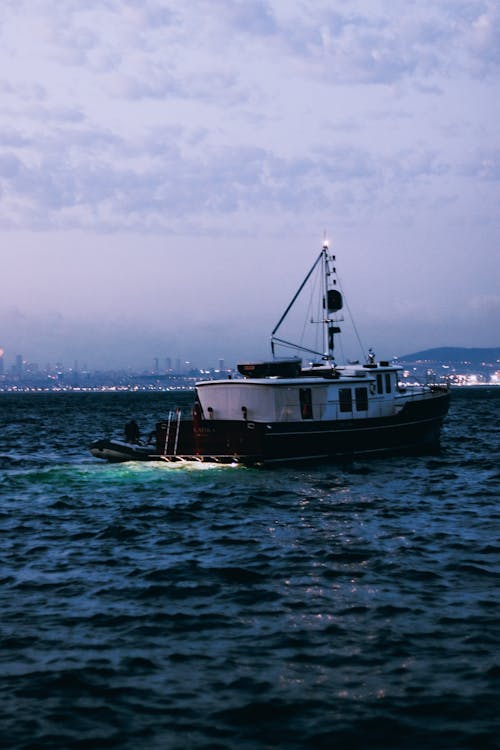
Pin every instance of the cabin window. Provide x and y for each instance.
(380, 383)
(345, 399)
(306, 403)
(361, 399)
(388, 386)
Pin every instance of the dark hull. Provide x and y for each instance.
(415, 429)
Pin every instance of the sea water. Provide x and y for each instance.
(342, 605)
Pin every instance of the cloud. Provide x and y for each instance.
(483, 164)
(96, 179)
(256, 18)
(484, 39)
(168, 185)
(384, 43)
(120, 115)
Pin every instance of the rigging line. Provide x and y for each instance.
(342, 353)
(307, 316)
(311, 313)
(363, 350)
(297, 293)
(291, 345)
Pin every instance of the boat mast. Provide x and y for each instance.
(332, 303)
(327, 348)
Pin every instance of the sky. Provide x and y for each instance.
(169, 169)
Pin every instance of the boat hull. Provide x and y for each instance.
(416, 429)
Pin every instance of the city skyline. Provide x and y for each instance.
(168, 172)
(19, 365)
(454, 366)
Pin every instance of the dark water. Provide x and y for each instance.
(156, 606)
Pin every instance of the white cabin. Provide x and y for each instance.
(355, 392)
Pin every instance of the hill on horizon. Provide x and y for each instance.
(455, 354)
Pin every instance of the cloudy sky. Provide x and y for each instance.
(168, 170)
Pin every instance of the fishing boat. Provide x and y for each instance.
(286, 409)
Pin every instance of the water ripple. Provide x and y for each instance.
(351, 605)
